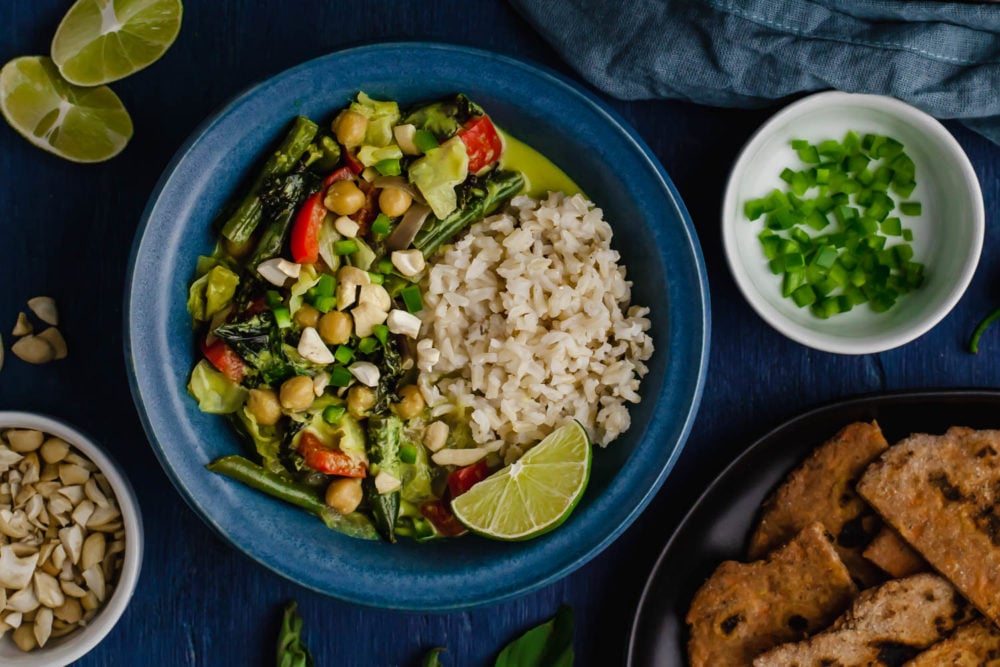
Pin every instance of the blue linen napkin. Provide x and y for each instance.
(942, 57)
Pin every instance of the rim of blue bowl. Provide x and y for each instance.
(701, 340)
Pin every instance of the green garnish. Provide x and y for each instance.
(390, 167)
(340, 377)
(382, 224)
(367, 345)
(333, 413)
(832, 271)
(345, 247)
(411, 298)
(425, 140)
(344, 354)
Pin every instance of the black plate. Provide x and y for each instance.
(718, 525)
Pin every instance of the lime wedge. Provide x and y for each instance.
(79, 124)
(534, 494)
(99, 41)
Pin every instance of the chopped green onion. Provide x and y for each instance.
(907, 234)
(340, 377)
(382, 224)
(332, 414)
(324, 304)
(344, 354)
(367, 345)
(381, 332)
(282, 317)
(389, 167)
(384, 266)
(376, 278)
(798, 144)
(345, 247)
(407, 453)
(424, 140)
(411, 298)
(891, 227)
(804, 296)
(325, 286)
(273, 299)
(910, 208)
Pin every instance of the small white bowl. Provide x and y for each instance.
(948, 235)
(64, 650)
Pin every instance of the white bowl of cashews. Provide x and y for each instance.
(70, 542)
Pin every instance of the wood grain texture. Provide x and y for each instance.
(67, 229)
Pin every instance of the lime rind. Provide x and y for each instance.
(535, 494)
(78, 124)
(100, 41)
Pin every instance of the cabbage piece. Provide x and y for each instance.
(216, 394)
(308, 277)
(211, 293)
(265, 439)
(416, 476)
(328, 235)
(381, 115)
(438, 172)
(371, 155)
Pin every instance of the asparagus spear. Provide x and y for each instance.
(246, 471)
(486, 195)
(384, 433)
(280, 199)
(245, 219)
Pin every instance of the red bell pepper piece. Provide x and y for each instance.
(482, 143)
(305, 231)
(342, 174)
(352, 162)
(225, 360)
(327, 459)
(439, 513)
(463, 479)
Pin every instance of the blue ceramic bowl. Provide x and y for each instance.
(573, 128)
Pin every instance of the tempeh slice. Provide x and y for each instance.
(822, 489)
(891, 553)
(975, 644)
(746, 608)
(942, 494)
(885, 626)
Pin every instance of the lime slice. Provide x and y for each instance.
(100, 41)
(79, 124)
(534, 494)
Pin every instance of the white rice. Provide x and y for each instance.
(527, 324)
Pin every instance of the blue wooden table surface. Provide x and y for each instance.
(66, 230)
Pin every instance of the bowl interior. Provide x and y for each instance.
(947, 234)
(64, 650)
(652, 232)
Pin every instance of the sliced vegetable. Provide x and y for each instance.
(438, 172)
(247, 216)
(482, 144)
(211, 293)
(328, 460)
(249, 473)
(463, 479)
(216, 393)
(305, 231)
(384, 435)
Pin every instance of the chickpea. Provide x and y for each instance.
(237, 250)
(350, 128)
(334, 328)
(344, 494)
(264, 406)
(307, 316)
(394, 202)
(360, 399)
(344, 198)
(297, 393)
(412, 402)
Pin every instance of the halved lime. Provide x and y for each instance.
(534, 494)
(79, 124)
(99, 41)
